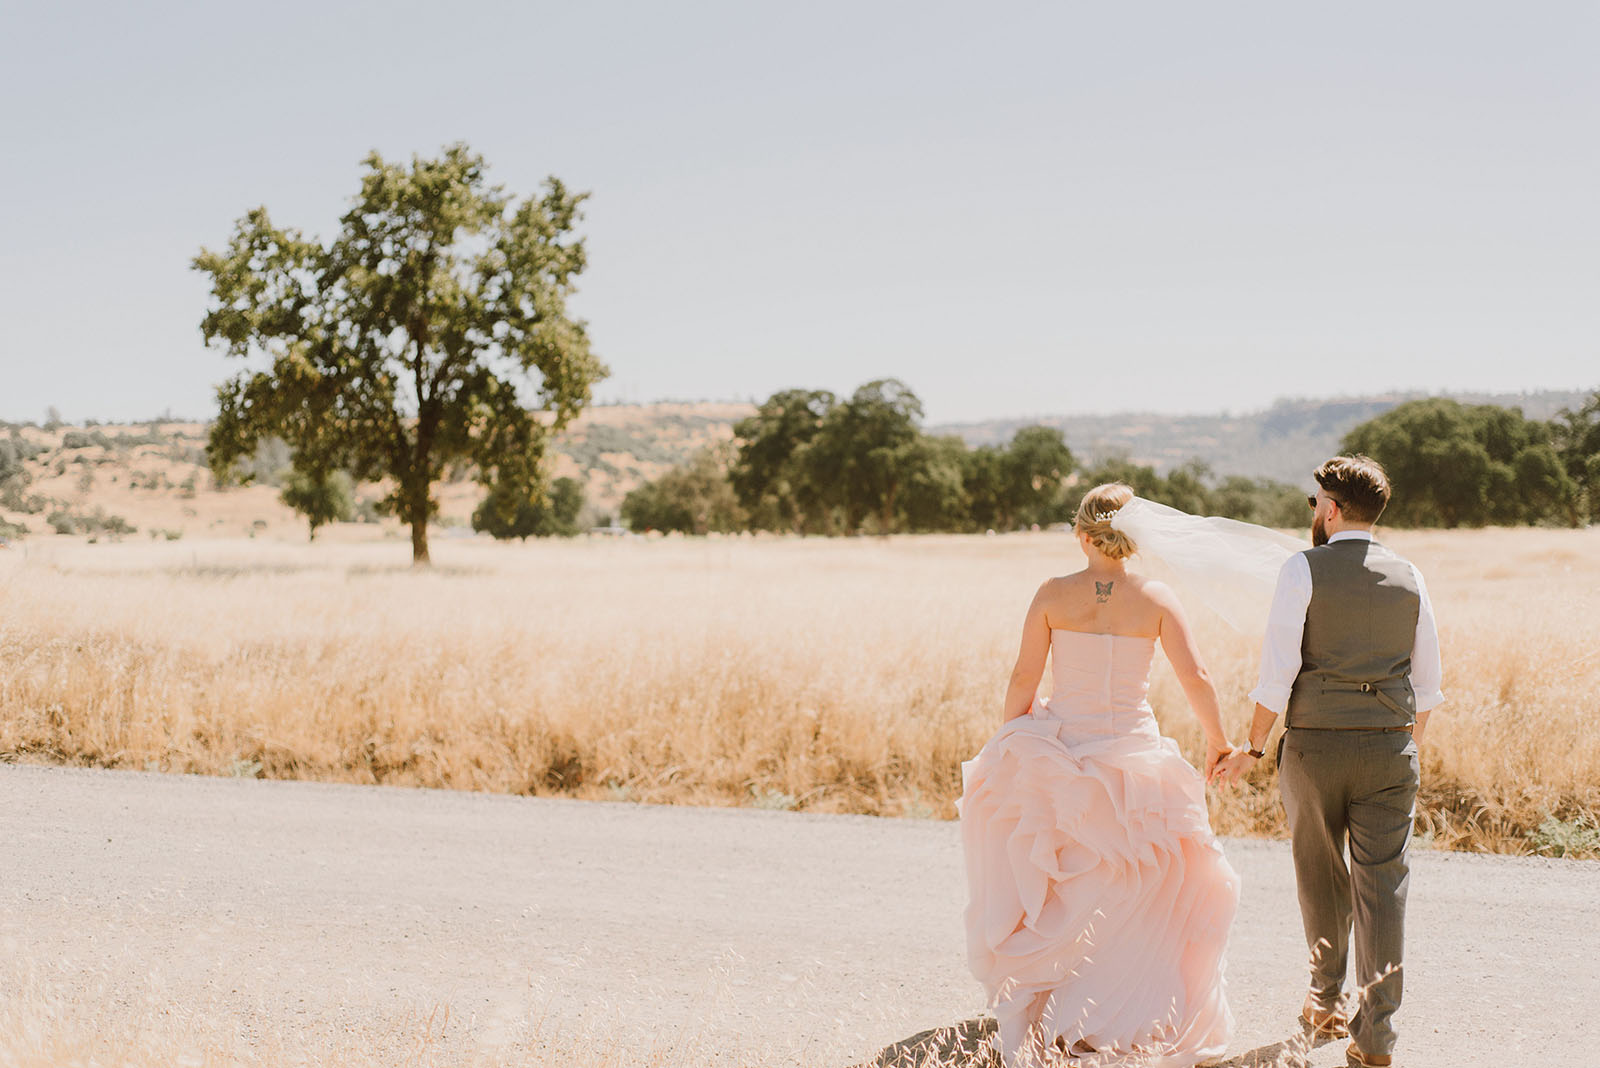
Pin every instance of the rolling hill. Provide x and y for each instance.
(1283, 442)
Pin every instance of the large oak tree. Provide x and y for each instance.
(432, 330)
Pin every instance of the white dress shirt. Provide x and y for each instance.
(1286, 624)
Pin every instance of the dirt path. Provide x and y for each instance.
(297, 909)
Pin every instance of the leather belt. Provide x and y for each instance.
(1383, 698)
(1374, 689)
(1384, 730)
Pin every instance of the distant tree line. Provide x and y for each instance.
(1456, 465)
(810, 462)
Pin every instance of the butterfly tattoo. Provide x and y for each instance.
(1102, 591)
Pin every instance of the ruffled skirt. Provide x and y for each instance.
(1100, 902)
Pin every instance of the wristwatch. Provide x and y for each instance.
(1257, 753)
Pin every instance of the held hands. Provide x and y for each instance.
(1216, 753)
(1232, 769)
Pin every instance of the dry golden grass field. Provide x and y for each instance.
(827, 675)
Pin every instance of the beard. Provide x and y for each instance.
(1319, 531)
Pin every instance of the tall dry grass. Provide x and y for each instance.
(841, 676)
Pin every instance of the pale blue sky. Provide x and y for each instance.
(1017, 208)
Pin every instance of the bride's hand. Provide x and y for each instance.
(1231, 770)
(1215, 752)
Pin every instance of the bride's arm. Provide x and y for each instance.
(1030, 659)
(1177, 641)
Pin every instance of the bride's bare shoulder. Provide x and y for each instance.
(1159, 592)
(1058, 589)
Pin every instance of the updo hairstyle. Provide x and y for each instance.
(1094, 519)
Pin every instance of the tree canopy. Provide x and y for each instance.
(554, 516)
(695, 498)
(1577, 437)
(862, 453)
(1454, 465)
(770, 472)
(322, 497)
(432, 329)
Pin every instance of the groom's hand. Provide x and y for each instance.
(1231, 770)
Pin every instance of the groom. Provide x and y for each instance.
(1352, 657)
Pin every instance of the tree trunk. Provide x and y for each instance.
(421, 481)
(417, 516)
(419, 541)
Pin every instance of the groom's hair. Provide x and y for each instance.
(1359, 483)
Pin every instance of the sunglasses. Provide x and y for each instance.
(1311, 499)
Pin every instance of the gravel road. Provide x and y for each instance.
(296, 909)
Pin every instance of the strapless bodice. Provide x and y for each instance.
(1101, 684)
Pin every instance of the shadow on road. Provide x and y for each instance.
(964, 1045)
(1291, 1052)
(969, 1044)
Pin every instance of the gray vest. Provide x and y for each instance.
(1355, 670)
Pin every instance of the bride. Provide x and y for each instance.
(1100, 902)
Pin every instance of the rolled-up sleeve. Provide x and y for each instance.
(1286, 626)
(1427, 670)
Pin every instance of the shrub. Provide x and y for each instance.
(85, 439)
(14, 477)
(1555, 837)
(150, 436)
(66, 521)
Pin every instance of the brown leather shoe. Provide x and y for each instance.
(1353, 1055)
(1330, 1024)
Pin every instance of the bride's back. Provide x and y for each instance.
(1104, 603)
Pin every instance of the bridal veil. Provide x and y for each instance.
(1230, 566)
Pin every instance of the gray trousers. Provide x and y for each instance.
(1360, 787)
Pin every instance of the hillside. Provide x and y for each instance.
(1283, 442)
(152, 476)
(614, 448)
